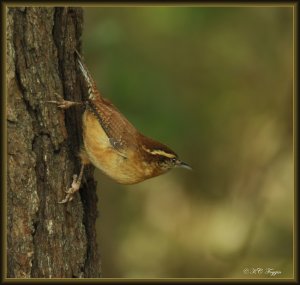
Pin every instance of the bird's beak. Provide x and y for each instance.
(183, 165)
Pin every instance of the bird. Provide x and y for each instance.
(112, 144)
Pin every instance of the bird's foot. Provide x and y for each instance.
(71, 191)
(64, 104)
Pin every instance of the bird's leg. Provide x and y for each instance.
(74, 187)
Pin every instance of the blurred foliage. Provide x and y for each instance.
(216, 85)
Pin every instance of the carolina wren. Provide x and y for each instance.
(113, 144)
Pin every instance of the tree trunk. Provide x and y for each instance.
(45, 238)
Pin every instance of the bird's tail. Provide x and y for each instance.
(92, 89)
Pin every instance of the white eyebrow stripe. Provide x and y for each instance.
(159, 152)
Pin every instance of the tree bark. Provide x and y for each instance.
(44, 238)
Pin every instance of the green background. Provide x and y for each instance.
(216, 85)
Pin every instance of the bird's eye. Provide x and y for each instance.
(174, 160)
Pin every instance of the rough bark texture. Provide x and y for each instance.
(45, 238)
